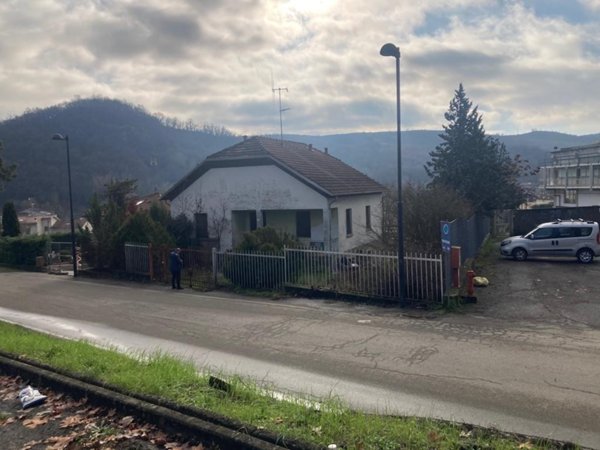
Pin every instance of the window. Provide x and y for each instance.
(303, 224)
(349, 222)
(543, 233)
(368, 217)
(252, 220)
(565, 232)
(571, 196)
(264, 218)
(201, 220)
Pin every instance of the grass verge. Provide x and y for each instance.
(164, 376)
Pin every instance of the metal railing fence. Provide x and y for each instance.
(138, 259)
(369, 274)
(153, 261)
(59, 257)
(373, 274)
(251, 270)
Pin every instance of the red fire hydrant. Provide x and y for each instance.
(470, 286)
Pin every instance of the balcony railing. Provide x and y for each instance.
(573, 183)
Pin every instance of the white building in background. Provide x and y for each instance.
(35, 222)
(573, 177)
(286, 185)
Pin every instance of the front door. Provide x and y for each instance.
(542, 242)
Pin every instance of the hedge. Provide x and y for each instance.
(22, 251)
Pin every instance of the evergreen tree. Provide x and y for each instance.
(475, 165)
(6, 172)
(10, 221)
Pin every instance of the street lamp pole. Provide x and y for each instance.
(392, 50)
(60, 137)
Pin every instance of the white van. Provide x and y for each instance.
(577, 238)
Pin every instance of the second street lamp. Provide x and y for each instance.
(392, 50)
(60, 137)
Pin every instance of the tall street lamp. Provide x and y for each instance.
(60, 137)
(392, 50)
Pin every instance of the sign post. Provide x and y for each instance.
(446, 240)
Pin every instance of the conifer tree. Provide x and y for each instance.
(477, 166)
(10, 221)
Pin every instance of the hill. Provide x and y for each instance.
(110, 139)
(375, 153)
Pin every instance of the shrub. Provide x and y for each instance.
(22, 251)
(266, 240)
(139, 228)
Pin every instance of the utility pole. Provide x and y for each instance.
(281, 110)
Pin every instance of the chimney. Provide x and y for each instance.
(326, 151)
(245, 136)
(310, 146)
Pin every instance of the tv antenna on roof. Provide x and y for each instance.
(281, 110)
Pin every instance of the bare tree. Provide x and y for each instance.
(219, 223)
(424, 208)
(189, 204)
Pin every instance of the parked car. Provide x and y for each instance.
(579, 238)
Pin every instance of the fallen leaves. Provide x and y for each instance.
(71, 421)
(126, 421)
(66, 424)
(35, 422)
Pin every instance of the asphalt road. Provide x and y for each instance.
(524, 375)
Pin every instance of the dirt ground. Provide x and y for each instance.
(62, 423)
(558, 291)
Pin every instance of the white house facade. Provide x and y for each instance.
(288, 186)
(33, 222)
(573, 177)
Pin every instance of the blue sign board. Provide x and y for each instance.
(446, 242)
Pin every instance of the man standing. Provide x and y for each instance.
(175, 265)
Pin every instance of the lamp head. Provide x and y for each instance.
(60, 137)
(390, 50)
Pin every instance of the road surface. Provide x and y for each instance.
(522, 376)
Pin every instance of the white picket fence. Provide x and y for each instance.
(373, 274)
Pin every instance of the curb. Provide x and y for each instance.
(224, 437)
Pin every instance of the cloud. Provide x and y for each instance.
(528, 64)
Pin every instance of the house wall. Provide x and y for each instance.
(219, 191)
(37, 225)
(584, 198)
(588, 198)
(360, 235)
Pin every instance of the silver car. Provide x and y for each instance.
(577, 238)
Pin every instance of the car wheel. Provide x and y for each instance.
(519, 254)
(585, 256)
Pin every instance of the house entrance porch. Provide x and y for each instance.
(314, 228)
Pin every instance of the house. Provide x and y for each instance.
(573, 176)
(289, 186)
(145, 202)
(36, 222)
(64, 226)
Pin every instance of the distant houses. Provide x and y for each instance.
(35, 222)
(290, 186)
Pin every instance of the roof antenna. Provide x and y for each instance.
(281, 110)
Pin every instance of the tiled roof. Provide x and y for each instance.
(324, 172)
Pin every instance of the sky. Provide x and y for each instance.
(528, 65)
